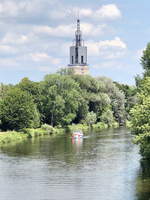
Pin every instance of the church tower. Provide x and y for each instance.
(78, 54)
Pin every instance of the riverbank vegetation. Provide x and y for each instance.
(64, 100)
(140, 120)
(13, 137)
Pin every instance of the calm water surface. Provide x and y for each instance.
(104, 166)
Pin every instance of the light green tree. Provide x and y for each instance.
(140, 120)
(141, 111)
(107, 117)
(62, 98)
(145, 60)
(91, 118)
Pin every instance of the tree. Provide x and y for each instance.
(62, 98)
(145, 60)
(4, 89)
(141, 111)
(140, 120)
(17, 111)
(107, 117)
(33, 88)
(65, 71)
(130, 93)
(117, 98)
(98, 103)
(90, 118)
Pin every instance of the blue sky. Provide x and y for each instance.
(35, 36)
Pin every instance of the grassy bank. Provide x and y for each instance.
(44, 130)
(97, 127)
(15, 137)
(11, 137)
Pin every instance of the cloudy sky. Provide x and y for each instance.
(35, 36)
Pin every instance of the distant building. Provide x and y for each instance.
(78, 54)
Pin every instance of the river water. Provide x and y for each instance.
(102, 166)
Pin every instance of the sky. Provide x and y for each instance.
(35, 36)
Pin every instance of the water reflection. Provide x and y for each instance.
(103, 166)
(143, 181)
(77, 144)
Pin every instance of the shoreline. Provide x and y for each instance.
(14, 137)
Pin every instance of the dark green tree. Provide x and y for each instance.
(17, 111)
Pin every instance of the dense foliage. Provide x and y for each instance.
(60, 100)
(141, 111)
(145, 60)
(17, 110)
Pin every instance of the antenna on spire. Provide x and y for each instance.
(78, 14)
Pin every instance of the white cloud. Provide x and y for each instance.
(93, 48)
(9, 8)
(93, 30)
(112, 49)
(117, 42)
(14, 38)
(59, 31)
(109, 65)
(110, 11)
(107, 49)
(82, 12)
(85, 12)
(105, 12)
(88, 29)
(30, 10)
(7, 50)
(16, 8)
(38, 57)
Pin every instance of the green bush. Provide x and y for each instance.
(144, 141)
(49, 129)
(75, 127)
(100, 126)
(11, 137)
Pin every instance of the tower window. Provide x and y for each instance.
(82, 59)
(72, 59)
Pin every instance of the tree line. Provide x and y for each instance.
(62, 99)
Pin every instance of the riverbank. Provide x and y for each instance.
(97, 127)
(11, 137)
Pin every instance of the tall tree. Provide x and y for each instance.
(62, 98)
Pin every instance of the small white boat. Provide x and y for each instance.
(77, 134)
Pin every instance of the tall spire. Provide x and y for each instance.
(78, 34)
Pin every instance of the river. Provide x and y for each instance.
(102, 166)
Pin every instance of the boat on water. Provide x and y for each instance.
(77, 134)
